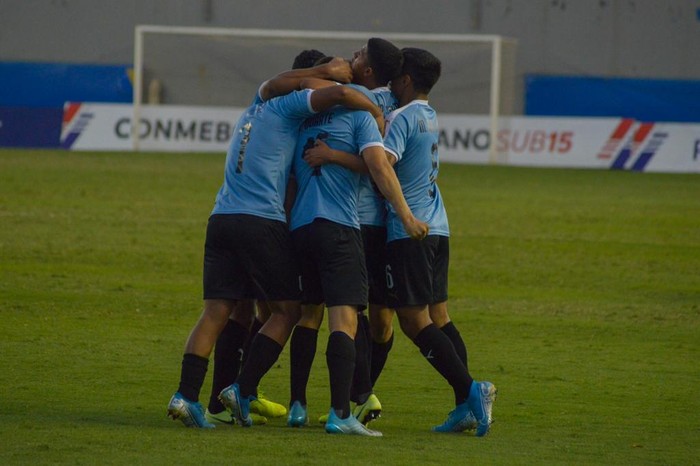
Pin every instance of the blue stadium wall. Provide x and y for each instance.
(642, 99)
(32, 97)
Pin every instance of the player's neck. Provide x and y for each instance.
(369, 83)
(409, 97)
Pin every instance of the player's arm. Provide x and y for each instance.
(337, 69)
(321, 154)
(323, 99)
(385, 178)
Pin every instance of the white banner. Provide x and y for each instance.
(607, 143)
(167, 128)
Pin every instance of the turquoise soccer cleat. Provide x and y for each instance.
(189, 412)
(298, 416)
(348, 426)
(481, 398)
(458, 420)
(238, 405)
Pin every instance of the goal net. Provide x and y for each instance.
(224, 67)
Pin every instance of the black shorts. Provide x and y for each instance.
(417, 271)
(249, 257)
(374, 241)
(332, 264)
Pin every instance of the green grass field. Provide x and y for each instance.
(577, 292)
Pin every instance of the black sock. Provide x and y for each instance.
(340, 357)
(453, 334)
(380, 353)
(264, 352)
(254, 329)
(227, 361)
(441, 354)
(302, 350)
(194, 368)
(361, 387)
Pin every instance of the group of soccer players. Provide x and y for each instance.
(322, 207)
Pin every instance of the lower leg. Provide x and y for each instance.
(302, 351)
(340, 356)
(361, 387)
(439, 315)
(267, 345)
(436, 348)
(200, 344)
(382, 338)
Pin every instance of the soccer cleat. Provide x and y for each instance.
(369, 410)
(349, 426)
(237, 404)
(481, 398)
(458, 420)
(224, 417)
(190, 413)
(297, 415)
(267, 408)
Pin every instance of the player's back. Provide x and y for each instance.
(330, 191)
(412, 135)
(260, 156)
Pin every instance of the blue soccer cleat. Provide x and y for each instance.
(298, 416)
(481, 398)
(189, 412)
(458, 420)
(348, 426)
(239, 406)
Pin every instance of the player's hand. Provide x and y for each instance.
(339, 70)
(415, 228)
(319, 154)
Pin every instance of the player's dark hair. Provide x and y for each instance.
(307, 59)
(423, 67)
(385, 59)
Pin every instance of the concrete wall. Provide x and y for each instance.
(628, 38)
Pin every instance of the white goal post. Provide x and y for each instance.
(223, 67)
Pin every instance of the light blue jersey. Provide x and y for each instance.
(260, 154)
(412, 137)
(370, 204)
(330, 191)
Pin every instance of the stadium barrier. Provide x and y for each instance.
(603, 143)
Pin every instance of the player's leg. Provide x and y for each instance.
(439, 315)
(184, 404)
(222, 288)
(361, 387)
(367, 405)
(227, 358)
(343, 276)
(302, 351)
(261, 408)
(340, 356)
(382, 338)
(438, 306)
(305, 336)
(266, 250)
